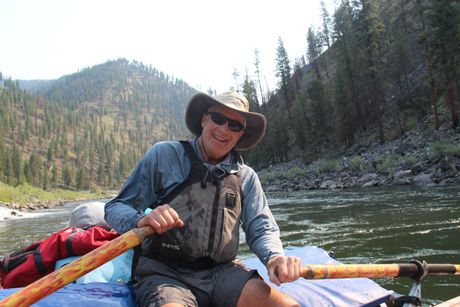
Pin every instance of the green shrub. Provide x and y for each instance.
(408, 161)
(270, 176)
(357, 163)
(24, 194)
(329, 166)
(267, 177)
(442, 149)
(296, 172)
(388, 163)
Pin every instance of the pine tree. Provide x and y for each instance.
(444, 27)
(54, 174)
(400, 28)
(343, 121)
(66, 176)
(424, 39)
(250, 92)
(32, 169)
(2, 156)
(349, 72)
(313, 51)
(301, 123)
(45, 176)
(8, 172)
(326, 25)
(16, 160)
(258, 72)
(375, 44)
(277, 139)
(324, 35)
(101, 175)
(283, 72)
(81, 179)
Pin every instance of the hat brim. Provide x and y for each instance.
(256, 124)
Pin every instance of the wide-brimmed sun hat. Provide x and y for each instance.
(256, 124)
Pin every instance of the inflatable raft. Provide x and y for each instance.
(106, 285)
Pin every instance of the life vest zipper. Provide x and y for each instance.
(215, 210)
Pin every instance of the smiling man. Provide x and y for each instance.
(199, 192)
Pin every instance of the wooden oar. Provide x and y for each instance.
(67, 274)
(70, 272)
(376, 270)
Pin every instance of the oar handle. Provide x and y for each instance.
(375, 270)
(72, 271)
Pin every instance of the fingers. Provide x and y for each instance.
(284, 269)
(273, 275)
(161, 219)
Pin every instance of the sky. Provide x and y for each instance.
(199, 41)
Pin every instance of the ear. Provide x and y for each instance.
(203, 120)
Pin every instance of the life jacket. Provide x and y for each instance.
(36, 260)
(209, 203)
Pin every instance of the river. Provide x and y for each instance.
(373, 225)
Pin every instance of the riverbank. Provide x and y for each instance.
(10, 211)
(424, 157)
(18, 201)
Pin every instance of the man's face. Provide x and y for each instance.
(217, 140)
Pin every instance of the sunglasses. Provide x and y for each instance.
(221, 119)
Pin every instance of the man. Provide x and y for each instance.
(200, 191)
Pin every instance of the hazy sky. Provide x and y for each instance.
(201, 41)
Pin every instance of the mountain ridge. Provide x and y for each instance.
(90, 128)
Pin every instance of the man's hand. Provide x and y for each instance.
(283, 269)
(161, 219)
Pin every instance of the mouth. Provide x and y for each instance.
(219, 138)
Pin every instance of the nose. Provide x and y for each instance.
(225, 128)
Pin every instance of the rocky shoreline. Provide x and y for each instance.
(14, 210)
(421, 158)
(33, 206)
(409, 160)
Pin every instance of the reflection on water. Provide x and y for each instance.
(379, 225)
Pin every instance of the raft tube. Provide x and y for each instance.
(106, 285)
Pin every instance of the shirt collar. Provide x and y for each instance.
(231, 164)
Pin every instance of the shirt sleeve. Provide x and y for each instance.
(161, 168)
(259, 225)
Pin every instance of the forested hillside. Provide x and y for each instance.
(374, 69)
(90, 128)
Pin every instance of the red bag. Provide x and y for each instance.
(36, 260)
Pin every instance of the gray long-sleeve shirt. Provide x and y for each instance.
(164, 166)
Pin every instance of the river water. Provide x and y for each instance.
(373, 225)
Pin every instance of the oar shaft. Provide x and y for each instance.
(72, 271)
(375, 270)
(349, 271)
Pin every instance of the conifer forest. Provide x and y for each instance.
(373, 68)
